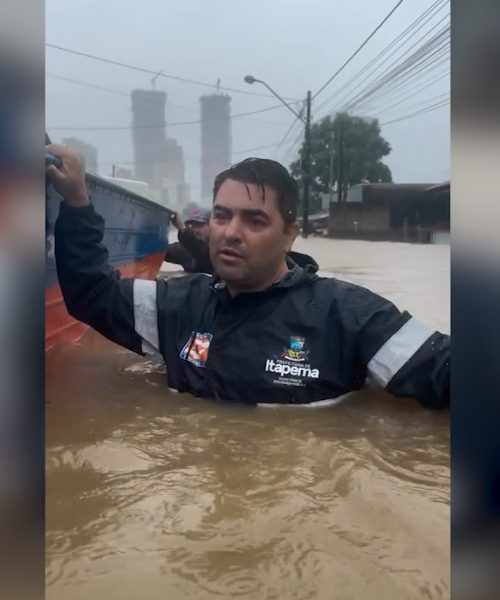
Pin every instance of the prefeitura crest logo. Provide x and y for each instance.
(286, 371)
(295, 350)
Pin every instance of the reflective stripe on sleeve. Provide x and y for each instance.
(146, 315)
(398, 350)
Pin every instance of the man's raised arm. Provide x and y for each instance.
(123, 310)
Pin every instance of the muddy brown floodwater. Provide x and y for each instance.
(154, 495)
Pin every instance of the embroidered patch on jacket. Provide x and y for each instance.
(295, 350)
(196, 349)
(290, 367)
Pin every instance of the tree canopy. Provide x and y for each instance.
(363, 149)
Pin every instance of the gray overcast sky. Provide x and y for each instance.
(293, 45)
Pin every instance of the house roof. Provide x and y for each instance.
(394, 186)
(440, 187)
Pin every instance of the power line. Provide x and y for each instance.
(151, 72)
(127, 128)
(263, 122)
(409, 96)
(105, 89)
(250, 150)
(89, 85)
(396, 73)
(425, 59)
(388, 93)
(383, 91)
(236, 152)
(359, 49)
(289, 131)
(424, 110)
(120, 163)
(439, 96)
(293, 145)
(420, 60)
(414, 90)
(277, 145)
(406, 97)
(436, 7)
(397, 67)
(431, 108)
(403, 118)
(127, 95)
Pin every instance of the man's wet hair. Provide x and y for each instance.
(265, 172)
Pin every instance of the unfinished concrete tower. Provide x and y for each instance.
(215, 140)
(149, 132)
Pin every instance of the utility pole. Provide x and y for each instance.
(306, 168)
(340, 179)
(332, 154)
(306, 159)
(113, 171)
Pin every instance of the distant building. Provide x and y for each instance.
(148, 132)
(88, 151)
(158, 159)
(124, 173)
(183, 194)
(215, 140)
(172, 160)
(410, 212)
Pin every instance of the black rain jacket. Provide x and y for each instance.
(303, 340)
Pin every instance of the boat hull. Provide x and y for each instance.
(136, 234)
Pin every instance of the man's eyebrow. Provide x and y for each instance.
(220, 207)
(255, 212)
(248, 212)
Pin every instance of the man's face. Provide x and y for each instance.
(200, 230)
(248, 239)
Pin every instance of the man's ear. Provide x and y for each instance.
(291, 232)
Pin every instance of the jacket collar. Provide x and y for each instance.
(294, 277)
(302, 260)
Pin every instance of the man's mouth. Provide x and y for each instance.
(230, 255)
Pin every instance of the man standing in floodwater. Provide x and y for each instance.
(191, 251)
(262, 329)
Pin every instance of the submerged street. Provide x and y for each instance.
(152, 490)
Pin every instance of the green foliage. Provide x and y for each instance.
(363, 149)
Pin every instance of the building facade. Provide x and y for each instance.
(413, 212)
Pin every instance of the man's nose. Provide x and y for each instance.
(233, 229)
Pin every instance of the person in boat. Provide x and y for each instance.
(260, 330)
(192, 249)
